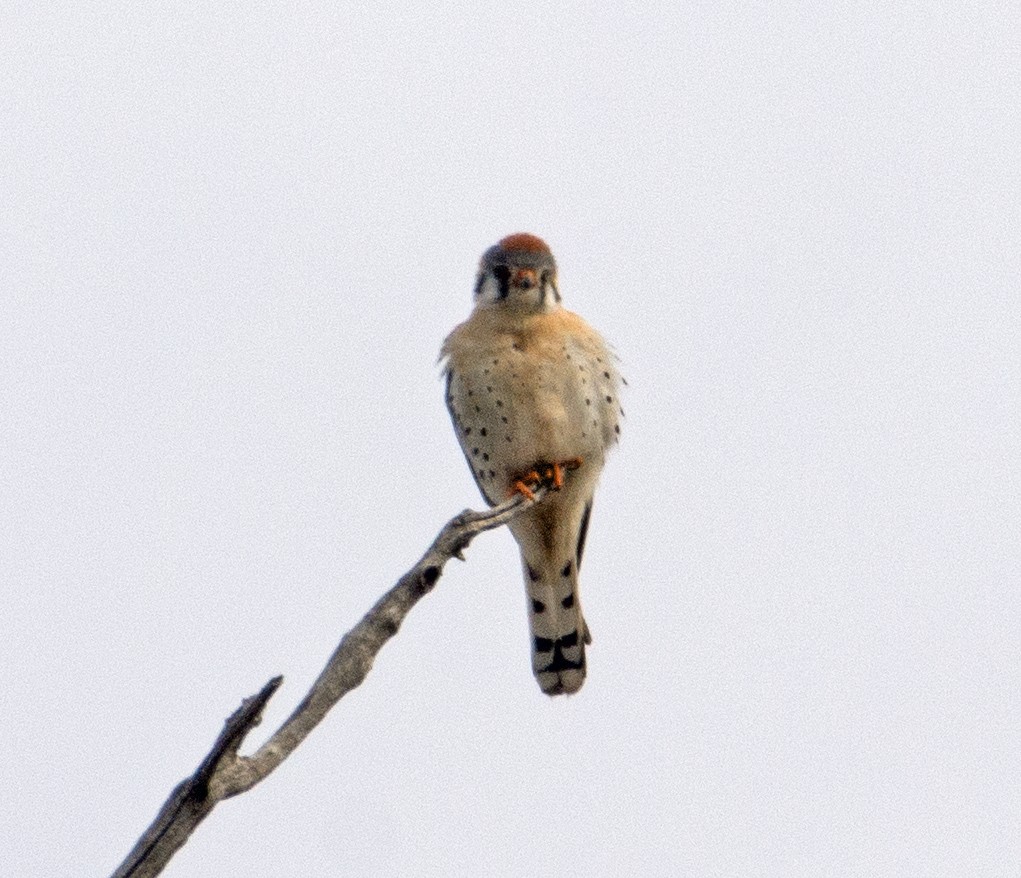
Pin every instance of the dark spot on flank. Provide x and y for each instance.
(482, 432)
(485, 456)
(499, 403)
(568, 602)
(467, 431)
(492, 474)
(489, 388)
(609, 399)
(475, 452)
(478, 409)
(616, 429)
(567, 569)
(533, 574)
(538, 606)
(503, 418)
(588, 401)
(606, 375)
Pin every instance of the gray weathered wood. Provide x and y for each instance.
(223, 773)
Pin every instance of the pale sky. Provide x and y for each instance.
(234, 240)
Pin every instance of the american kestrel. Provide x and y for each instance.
(533, 393)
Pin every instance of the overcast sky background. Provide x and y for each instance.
(233, 241)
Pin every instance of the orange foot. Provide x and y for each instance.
(547, 475)
(526, 484)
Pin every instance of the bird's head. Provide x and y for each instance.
(519, 274)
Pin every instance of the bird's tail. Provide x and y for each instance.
(559, 632)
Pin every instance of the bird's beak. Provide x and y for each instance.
(524, 278)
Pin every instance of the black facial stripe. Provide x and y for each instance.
(502, 275)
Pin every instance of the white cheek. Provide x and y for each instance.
(489, 292)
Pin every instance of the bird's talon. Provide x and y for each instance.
(519, 487)
(557, 470)
(545, 475)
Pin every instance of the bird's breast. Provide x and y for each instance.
(537, 387)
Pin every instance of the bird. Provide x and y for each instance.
(533, 393)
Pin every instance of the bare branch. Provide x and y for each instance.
(190, 802)
(223, 773)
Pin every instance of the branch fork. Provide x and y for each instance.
(224, 773)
